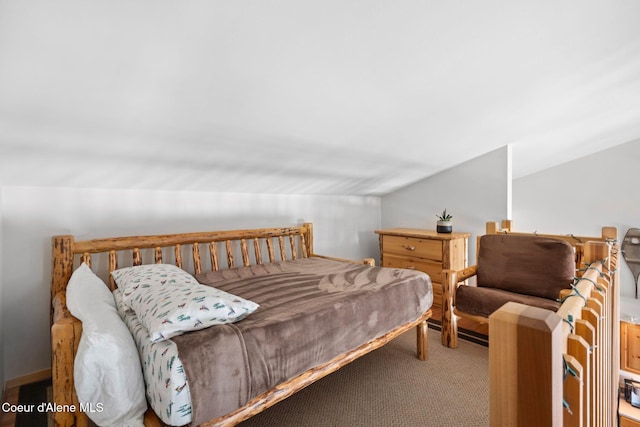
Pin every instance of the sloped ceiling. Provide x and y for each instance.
(317, 97)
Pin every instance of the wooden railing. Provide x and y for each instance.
(560, 369)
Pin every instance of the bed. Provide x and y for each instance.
(315, 315)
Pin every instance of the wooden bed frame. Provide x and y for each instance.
(66, 330)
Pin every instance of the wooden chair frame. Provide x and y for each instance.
(451, 279)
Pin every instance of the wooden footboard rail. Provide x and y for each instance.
(560, 369)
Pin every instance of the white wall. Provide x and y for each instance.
(474, 192)
(343, 227)
(555, 200)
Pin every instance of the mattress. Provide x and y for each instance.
(311, 310)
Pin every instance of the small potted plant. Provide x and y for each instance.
(444, 224)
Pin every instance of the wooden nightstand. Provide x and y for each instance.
(630, 347)
(424, 250)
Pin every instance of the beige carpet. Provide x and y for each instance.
(391, 387)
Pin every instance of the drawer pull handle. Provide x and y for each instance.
(410, 248)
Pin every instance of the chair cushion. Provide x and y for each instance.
(528, 265)
(484, 301)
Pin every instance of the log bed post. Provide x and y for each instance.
(61, 265)
(65, 335)
(308, 237)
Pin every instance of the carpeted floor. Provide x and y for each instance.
(391, 387)
(388, 387)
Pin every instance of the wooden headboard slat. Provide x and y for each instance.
(303, 243)
(230, 262)
(195, 251)
(272, 257)
(213, 254)
(257, 251)
(245, 253)
(178, 254)
(283, 256)
(86, 258)
(137, 257)
(113, 265)
(292, 242)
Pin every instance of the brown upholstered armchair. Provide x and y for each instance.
(530, 270)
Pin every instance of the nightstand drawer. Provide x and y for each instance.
(412, 247)
(433, 269)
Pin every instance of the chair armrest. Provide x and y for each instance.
(451, 279)
(468, 272)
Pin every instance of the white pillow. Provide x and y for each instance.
(86, 293)
(107, 369)
(168, 301)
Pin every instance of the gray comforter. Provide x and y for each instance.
(311, 310)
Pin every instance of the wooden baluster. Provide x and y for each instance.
(86, 258)
(113, 265)
(591, 317)
(229, 254)
(256, 248)
(195, 250)
(178, 253)
(158, 255)
(272, 257)
(573, 392)
(213, 254)
(609, 356)
(292, 242)
(283, 256)
(599, 351)
(587, 333)
(245, 253)
(137, 257)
